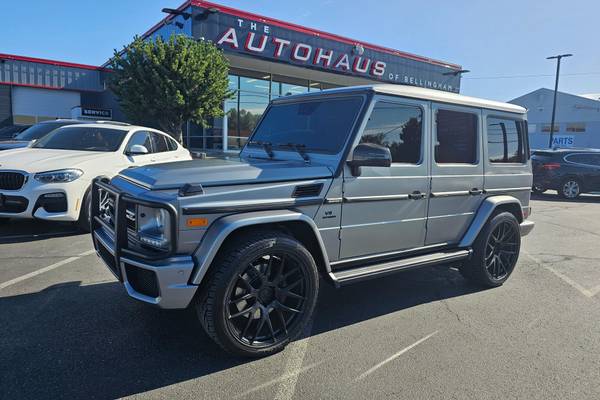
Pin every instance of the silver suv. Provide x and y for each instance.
(344, 185)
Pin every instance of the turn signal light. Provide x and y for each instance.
(197, 222)
(551, 166)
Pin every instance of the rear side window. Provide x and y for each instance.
(586, 159)
(172, 144)
(506, 140)
(160, 142)
(456, 138)
(397, 127)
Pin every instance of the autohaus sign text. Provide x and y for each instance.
(312, 50)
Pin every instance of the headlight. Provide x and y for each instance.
(154, 227)
(60, 176)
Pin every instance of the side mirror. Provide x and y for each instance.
(369, 155)
(137, 150)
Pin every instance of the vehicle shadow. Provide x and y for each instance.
(23, 231)
(553, 197)
(73, 341)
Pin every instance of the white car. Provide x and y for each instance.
(51, 179)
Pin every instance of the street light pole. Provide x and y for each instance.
(558, 58)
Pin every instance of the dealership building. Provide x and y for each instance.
(269, 58)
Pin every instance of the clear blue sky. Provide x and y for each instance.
(490, 38)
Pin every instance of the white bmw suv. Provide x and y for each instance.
(51, 179)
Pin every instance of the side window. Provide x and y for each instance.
(456, 137)
(505, 140)
(172, 144)
(141, 138)
(160, 143)
(398, 127)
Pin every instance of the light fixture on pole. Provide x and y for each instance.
(557, 58)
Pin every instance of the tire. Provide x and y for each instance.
(570, 188)
(247, 305)
(538, 189)
(495, 251)
(84, 222)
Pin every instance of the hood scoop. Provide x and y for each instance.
(312, 190)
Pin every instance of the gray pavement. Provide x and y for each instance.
(68, 330)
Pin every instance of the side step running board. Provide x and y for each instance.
(353, 275)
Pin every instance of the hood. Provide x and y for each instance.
(223, 172)
(14, 144)
(40, 160)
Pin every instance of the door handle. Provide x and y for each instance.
(475, 192)
(416, 195)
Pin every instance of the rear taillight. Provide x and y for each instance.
(550, 166)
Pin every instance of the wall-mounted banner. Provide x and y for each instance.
(243, 33)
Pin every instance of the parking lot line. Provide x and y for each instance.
(293, 366)
(45, 269)
(392, 358)
(586, 292)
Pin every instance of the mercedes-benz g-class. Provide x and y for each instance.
(344, 185)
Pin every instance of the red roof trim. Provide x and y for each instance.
(309, 31)
(50, 62)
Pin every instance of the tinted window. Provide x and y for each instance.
(142, 139)
(505, 140)
(172, 144)
(82, 138)
(37, 131)
(587, 159)
(456, 137)
(160, 143)
(397, 127)
(322, 125)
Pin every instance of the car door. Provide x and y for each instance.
(142, 138)
(385, 208)
(456, 172)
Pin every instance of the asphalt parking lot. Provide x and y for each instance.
(68, 330)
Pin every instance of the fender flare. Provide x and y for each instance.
(218, 232)
(484, 212)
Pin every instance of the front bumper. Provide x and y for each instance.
(161, 283)
(526, 227)
(25, 203)
(160, 279)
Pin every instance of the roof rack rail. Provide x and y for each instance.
(111, 123)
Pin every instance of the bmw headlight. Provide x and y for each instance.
(59, 176)
(154, 227)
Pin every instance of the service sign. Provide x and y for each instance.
(563, 141)
(303, 47)
(100, 113)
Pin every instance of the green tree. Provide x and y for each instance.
(166, 83)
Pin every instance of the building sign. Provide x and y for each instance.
(563, 141)
(291, 44)
(99, 113)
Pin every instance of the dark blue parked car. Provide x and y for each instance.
(35, 132)
(568, 171)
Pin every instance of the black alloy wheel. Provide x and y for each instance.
(501, 251)
(259, 293)
(266, 299)
(495, 251)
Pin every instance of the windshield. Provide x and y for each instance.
(37, 131)
(82, 138)
(317, 125)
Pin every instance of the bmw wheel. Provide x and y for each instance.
(260, 295)
(570, 189)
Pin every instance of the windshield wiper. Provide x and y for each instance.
(300, 149)
(267, 146)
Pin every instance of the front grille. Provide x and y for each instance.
(131, 216)
(106, 207)
(13, 204)
(109, 259)
(11, 180)
(142, 280)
